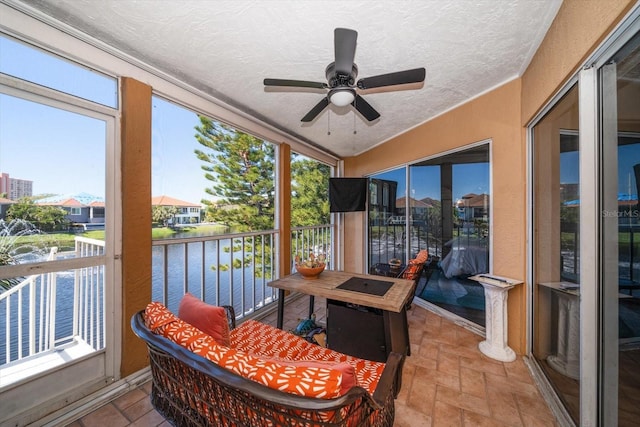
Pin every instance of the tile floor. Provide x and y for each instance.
(446, 382)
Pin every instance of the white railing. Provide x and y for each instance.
(316, 239)
(46, 311)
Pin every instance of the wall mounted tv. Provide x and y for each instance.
(347, 194)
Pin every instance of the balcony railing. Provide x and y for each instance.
(230, 269)
(52, 311)
(316, 239)
(49, 311)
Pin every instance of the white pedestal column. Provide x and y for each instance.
(567, 360)
(496, 292)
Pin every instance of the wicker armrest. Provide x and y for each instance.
(231, 316)
(388, 385)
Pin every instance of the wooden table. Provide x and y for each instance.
(392, 303)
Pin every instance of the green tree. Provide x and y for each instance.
(309, 193)
(162, 214)
(241, 170)
(45, 218)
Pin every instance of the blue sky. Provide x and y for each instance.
(467, 178)
(176, 172)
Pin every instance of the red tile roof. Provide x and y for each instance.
(170, 201)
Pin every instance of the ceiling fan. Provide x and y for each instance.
(341, 79)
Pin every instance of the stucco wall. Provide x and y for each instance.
(580, 26)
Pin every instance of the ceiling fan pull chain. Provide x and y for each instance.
(354, 123)
(328, 122)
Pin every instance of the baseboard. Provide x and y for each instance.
(460, 321)
(90, 403)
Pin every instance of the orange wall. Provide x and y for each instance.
(501, 116)
(579, 27)
(495, 116)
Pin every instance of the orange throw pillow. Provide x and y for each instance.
(210, 319)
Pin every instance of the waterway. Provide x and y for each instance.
(200, 274)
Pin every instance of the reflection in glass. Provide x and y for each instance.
(387, 219)
(624, 206)
(556, 305)
(446, 212)
(450, 205)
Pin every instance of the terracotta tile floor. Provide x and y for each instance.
(446, 382)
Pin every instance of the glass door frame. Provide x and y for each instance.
(598, 334)
(105, 363)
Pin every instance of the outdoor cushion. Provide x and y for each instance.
(208, 318)
(268, 341)
(412, 271)
(310, 381)
(422, 256)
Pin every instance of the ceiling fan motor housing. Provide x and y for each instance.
(338, 79)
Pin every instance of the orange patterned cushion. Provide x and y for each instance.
(307, 381)
(413, 270)
(422, 256)
(259, 338)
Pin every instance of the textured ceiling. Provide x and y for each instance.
(227, 48)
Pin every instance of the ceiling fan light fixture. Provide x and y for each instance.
(342, 97)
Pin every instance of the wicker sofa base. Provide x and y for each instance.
(189, 390)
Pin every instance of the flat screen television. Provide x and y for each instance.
(347, 194)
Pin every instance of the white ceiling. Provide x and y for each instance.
(227, 48)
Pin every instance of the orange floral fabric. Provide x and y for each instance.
(307, 381)
(259, 338)
(412, 271)
(422, 256)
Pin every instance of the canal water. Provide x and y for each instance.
(201, 277)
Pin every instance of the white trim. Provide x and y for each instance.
(608, 244)
(90, 403)
(589, 248)
(106, 363)
(617, 38)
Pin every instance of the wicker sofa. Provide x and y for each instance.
(190, 390)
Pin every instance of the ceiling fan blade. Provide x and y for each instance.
(294, 83)
(365, 108)
(345, 49)
(399, 78)
(316, 110)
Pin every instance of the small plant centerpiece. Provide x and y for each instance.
(310, 268)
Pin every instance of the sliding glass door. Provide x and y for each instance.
(446, 210)
(556, 254)
(451, 200)
(620, 247)
(585, 222)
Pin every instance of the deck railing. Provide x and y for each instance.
(229, 269)
(46, 311)
(316, 239)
